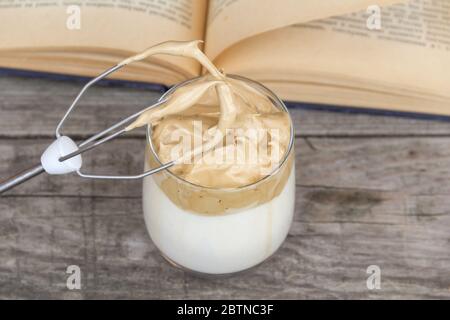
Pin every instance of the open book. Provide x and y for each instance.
(314, 51)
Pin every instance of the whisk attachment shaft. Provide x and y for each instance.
(21, 177)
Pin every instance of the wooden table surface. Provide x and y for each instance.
(371, 190)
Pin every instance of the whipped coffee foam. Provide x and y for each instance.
(220, 131)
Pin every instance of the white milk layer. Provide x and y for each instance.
(218, 244)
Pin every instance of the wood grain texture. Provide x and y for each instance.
(370, 190)
(33, 107)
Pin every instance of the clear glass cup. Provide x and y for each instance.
(216, 231)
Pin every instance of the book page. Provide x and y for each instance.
(230, 21)
(409, 56)
(122, 27)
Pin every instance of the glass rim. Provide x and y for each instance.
(270, 93)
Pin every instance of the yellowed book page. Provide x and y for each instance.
(230, 21)
(409, 55)
(89, 64)
(355, 97)
(127, 26)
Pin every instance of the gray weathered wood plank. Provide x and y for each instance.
(391, 209)
(418, 165)
(33, 107)
(326, 254)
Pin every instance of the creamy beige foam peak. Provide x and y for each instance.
(221, 132)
